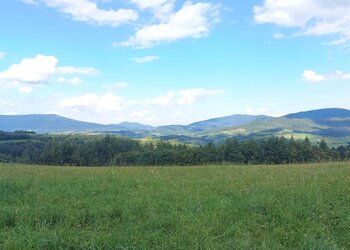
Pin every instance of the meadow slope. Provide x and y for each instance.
(209, 207)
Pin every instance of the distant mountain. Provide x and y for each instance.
(208, 125)
(332, 124)
(321, 114)
(227, 121)
(132, 126)
(56, 123)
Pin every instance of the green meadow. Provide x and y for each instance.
(208, 207)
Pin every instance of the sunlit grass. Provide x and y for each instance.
(211, 207)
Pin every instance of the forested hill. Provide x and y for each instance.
(89, 150)
(321, 114)
(56, 123)
(332, 124)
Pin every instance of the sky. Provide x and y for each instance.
(164, 62)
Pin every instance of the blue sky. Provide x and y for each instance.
(172, 61)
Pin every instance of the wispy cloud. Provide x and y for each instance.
(87, 11)
(313, 77)
(146, 59)
(2, 55)
(116, 86)
(183, 97)
(69, 70)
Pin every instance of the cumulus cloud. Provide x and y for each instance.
(193, 20)
(40, 70)
(109, 102)
(313, 77)
(87, 11)
(112, 108)
(146, 59)
(31, 70)
(312, 17)
(165, 100)
(104, 103)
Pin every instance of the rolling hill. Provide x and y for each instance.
(332, 124)
(56, 123)
(209, 125)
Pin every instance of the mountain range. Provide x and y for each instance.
(54, 124)
(332, 124)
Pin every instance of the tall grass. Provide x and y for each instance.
(209, 207)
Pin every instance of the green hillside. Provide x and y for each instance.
(330, 124)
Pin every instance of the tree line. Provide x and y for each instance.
(118, 151)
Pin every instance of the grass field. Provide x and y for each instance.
(214, 207)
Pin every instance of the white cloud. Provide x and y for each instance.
(190, 96)
(88, 11)
(340, 75)
(174, 107)
(146, 59)
(193, 20)
(31, 70)
(40, 70)
(160, 8)
(313, 77)
(183, 97)
(2, 55)
(101, 104)
(61, 79)
(164, 100)
(150, 4)
(312, 17)
(75, 81)
(69, 70)
(85, 100)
